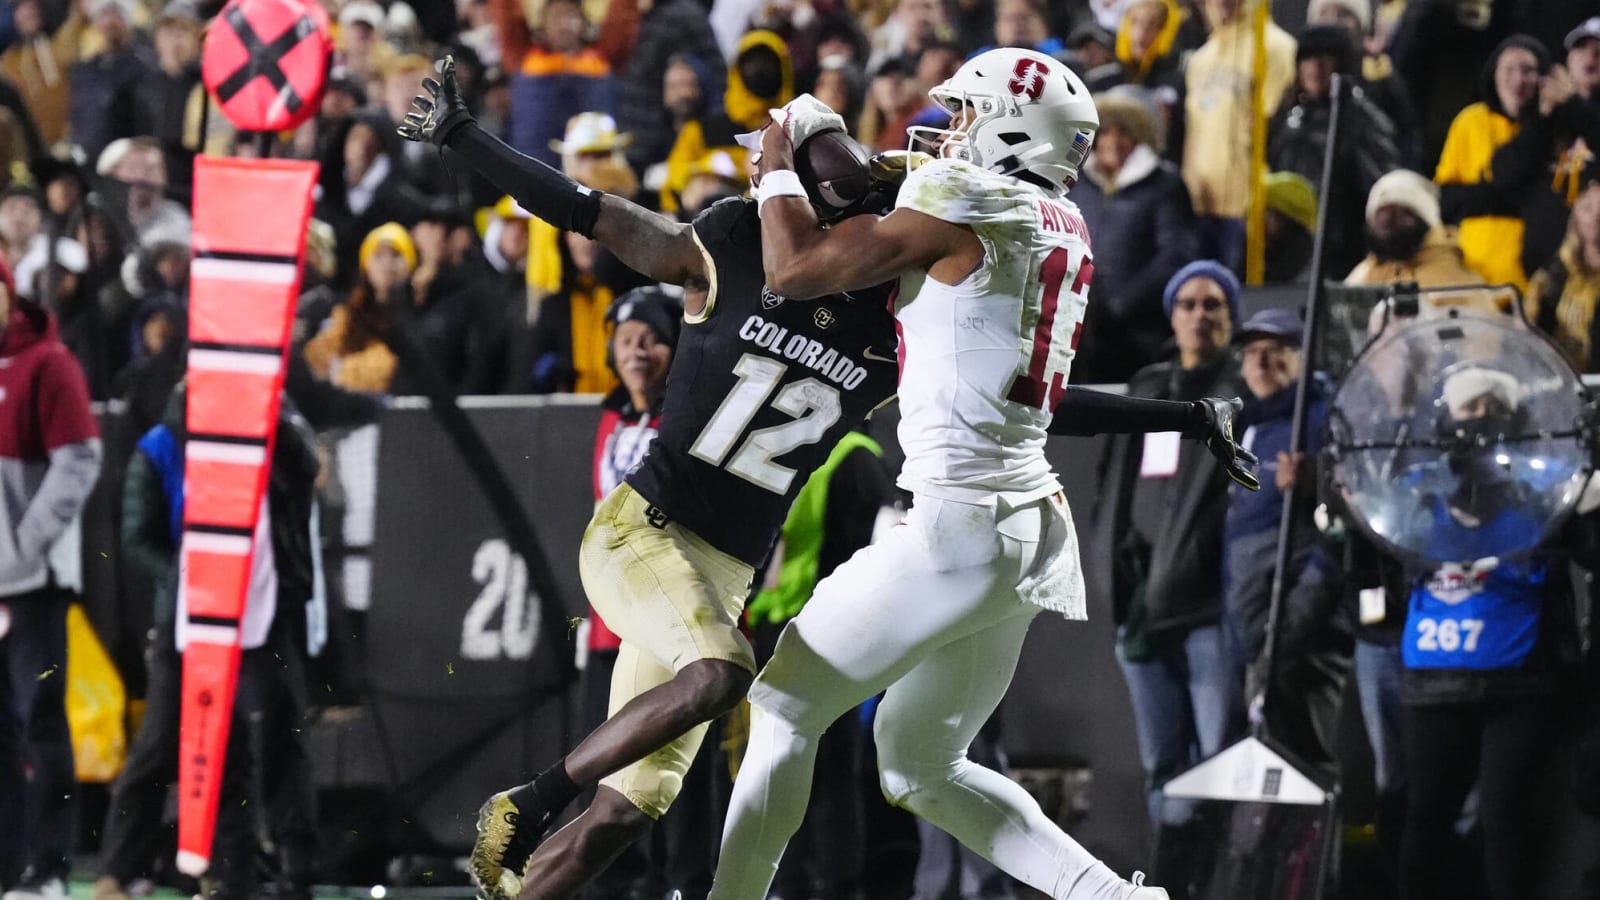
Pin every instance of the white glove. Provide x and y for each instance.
(804, 117)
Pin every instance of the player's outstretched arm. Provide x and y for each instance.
(648, 243)
(1085, 412)
(802, 259)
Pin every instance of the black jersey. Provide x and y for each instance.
(760, 390)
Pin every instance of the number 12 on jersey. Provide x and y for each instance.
(1043, 385)
(815, 407)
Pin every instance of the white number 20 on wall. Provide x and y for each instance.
(504, 579)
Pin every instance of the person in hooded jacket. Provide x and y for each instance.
(1552, 155)
(453, 312)
(760, 78)
(361, 186)
(1148, 56)
(666, 29)
(1488, 211)
(1137, 207)
(49, 460)
(1298, 138)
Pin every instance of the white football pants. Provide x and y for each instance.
(931, 613)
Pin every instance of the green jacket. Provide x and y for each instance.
(803, 535)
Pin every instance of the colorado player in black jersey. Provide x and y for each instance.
(760, 390)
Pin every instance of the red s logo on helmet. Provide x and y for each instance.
(1027, 79)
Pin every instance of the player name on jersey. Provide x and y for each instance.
(806, 351)
(1055, 217)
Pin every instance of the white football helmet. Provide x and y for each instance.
(1031, 115)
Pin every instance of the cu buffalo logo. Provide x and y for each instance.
(1027, 79)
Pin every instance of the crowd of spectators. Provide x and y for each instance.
(1466, 156)
(102, 113)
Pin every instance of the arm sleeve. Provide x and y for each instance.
(1518, 161)
(1464, 191)
(542, 190)
(324, 404)
(1085, 412)
(1463, 201)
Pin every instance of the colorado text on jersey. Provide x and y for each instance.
(809, 352)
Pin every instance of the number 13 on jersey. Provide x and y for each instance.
(1056, 330)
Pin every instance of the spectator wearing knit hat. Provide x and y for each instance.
(1406, 240)
(56, 276)
(1491, 230)
(1290, 227)
(1298, 138)
(1160, 515)
(1137, 207)
(349, 350)
(166, 95)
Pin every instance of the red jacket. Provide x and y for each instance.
(49, 444)
(620, 442)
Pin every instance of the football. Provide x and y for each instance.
(833, 167)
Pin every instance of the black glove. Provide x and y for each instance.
(1216, 432)
(439, 110)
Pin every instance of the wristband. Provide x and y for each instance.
(778, 183)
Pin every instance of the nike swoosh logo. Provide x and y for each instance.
(869, 354)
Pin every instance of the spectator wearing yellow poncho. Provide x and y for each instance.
(761, 78)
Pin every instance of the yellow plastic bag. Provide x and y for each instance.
(96, 702)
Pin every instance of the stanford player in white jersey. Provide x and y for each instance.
(993, 265)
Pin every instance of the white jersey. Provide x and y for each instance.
(986, 360)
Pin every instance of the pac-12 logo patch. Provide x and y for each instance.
(769, 300)
(1027, 79)
(823, 317)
